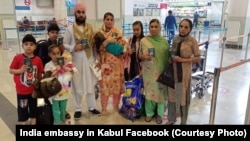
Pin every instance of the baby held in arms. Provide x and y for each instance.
(114, 48)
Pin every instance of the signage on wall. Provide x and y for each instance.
(22, 7)
(164, 6)
(152, 5)
(70, 3)
(146, 5)
(27, 2)
(140, 5)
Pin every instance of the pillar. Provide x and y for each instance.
(60, 12)
(238, 11)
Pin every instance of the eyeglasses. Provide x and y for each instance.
(79, 12)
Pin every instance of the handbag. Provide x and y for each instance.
(167, 77)
(133, 100)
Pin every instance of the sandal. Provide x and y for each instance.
(148, 119)
(116, 109)
(170, 122)
(67, 116)
(104, 113)
(158, 120)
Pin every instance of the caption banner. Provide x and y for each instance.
(171, 132)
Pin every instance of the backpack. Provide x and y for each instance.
(36, 52)
(133, 100)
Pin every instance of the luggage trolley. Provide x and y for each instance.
(200, 78)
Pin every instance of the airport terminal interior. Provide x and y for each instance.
(222, 100)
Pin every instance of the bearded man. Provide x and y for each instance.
(78, 41)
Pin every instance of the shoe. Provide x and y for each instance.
(148, 119)
(67, 116)
(77, 115)
(170, 122)
(95, 112)
(66, 122)
(158, 120)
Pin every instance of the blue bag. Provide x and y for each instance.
(133, 99)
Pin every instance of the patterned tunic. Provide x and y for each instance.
(189, 48)
(112, 67)
(151, 70)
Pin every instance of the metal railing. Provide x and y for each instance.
(217, 72)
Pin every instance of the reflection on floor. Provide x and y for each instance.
(230, 105)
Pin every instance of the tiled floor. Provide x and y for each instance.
(230, 105)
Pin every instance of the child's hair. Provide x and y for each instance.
(99, 38)
(53, 26)
(67, 55)
(142, 33)
(51, 47)
(29, 38)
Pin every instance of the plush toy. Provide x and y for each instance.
(65, 76)
(48, 86)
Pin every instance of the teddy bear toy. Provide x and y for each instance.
(48, 86)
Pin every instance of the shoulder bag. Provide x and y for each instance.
(167, 77)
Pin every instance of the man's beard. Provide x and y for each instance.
(81, 20)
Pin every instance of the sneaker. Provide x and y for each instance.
(95, 112)
(77, 115)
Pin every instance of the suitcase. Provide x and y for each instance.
(44, 114)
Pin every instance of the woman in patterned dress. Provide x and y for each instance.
(186, 52)
(155, 92)
(112, 67)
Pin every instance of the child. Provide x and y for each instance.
(59, 101)
(114, 48)
(133, 67)
(26, 68)
(42, 49)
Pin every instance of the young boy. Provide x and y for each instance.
(42, 49)
(26, 68)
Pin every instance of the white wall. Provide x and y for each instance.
(91, 12)
(237, 8)
(91, 8)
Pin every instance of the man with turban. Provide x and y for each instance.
(78, 41)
